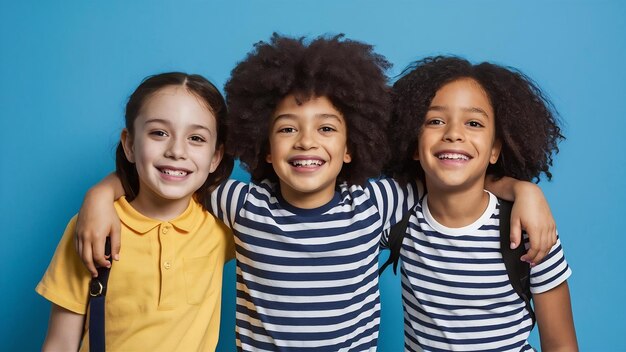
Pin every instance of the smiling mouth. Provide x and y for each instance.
(176, 173)
(452, 156)
(307, 163)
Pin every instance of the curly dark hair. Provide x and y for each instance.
(526, 121)
(207, 93)
(347, 72)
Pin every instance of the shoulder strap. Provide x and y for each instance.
(396, 236)
(97, 293)
(517, 270)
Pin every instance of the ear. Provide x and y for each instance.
(268, 157)
(217, 158)
(416, 153)
(127, 144)
(495, 151)
(347, 157)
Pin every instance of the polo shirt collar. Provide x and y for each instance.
(142, 224)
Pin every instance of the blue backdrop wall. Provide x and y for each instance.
(67, 68)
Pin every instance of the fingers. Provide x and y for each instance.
(99, 257)
(115, 241)
(516, 233)
(541, 241)
(85, 255)
(78, 244)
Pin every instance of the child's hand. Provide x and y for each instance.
(531, 213)
(98, 219)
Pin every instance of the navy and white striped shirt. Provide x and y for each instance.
(455, 289)
(307, 279)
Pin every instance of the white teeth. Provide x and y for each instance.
(178, 173)
(453, 156)
(303, 163)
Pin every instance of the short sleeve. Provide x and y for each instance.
(551, 272)
(66, 281)
(393, 199)
(227, 199)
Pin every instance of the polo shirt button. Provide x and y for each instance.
(165, 229)
(167, 265)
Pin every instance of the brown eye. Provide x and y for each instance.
(198, 139)
(434, 122)
(287, 130)
(158, 133)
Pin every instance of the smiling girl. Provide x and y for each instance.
(166, 295)
(473, 121)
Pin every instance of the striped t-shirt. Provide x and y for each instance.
(307, 278)
(455, 289)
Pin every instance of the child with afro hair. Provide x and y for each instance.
(473, 121)
(307, 119)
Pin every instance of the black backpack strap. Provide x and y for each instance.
(97, 293)
(396, 236)
(517, 270)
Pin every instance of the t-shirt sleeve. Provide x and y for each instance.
(551, 272)
(66, 281)
(227, 199)
(393, 199)
(228, 239)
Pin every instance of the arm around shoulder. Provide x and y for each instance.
(98, 219)
(555, 319)
(531, 212)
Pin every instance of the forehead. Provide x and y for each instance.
(296, 106)
(176, 103)
(463, 93)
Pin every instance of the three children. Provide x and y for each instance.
(307, 120)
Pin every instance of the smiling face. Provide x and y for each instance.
(173, 149)
(308, 147)
(458, 139)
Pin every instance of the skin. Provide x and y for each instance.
(456, 144)
(553, 309)
(307, 150)
(173, 148)
(64, 330)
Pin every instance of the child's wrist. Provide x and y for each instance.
(523, 188)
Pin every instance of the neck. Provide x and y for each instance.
(160, 208)
(310, 200)
(457, 208)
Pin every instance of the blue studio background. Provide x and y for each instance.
(67, 68)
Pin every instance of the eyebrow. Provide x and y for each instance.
(473, 110)
(166, 122)
(324, 116)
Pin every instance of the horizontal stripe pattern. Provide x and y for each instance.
(307, 279)
(455, 289)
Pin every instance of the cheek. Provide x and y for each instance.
(203, 158)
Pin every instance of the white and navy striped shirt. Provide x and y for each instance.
(455, 289)
(307, 279)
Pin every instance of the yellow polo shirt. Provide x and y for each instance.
(165, 292)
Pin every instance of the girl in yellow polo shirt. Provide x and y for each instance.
(165, 295)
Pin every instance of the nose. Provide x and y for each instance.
(454, 132)
(306, 139)
(176, 149)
